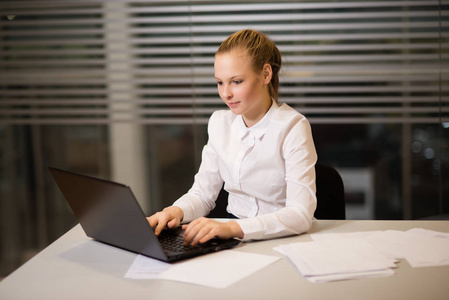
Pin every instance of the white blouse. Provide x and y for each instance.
(268, 170)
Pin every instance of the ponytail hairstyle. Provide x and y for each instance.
(261, 50)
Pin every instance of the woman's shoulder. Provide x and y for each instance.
(222, 116)
(287, 114)
(221, 119)
(222, 113)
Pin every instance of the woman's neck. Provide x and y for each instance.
(253, 119)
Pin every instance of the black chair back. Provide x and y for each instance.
(330, 194)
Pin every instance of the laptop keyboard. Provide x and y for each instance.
(172, 241)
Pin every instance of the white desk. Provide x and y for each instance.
(75, 267)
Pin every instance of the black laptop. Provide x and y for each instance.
(108, 212)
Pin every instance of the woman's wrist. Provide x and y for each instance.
(175, 211)
(235, 229)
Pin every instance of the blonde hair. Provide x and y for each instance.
(261, 51)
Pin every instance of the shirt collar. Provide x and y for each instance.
(258, 130)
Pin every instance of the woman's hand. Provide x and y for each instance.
(171, 216)
(203, 229)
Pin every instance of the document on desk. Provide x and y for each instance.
(338, 259)
(337, 256)
(429, 248)
(219, 269)
(144, 267)
(420, 247)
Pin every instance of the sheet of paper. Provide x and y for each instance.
(353, 275)
(426, 251)
(437, 234)
(391, 242)
(219, 270)
(420, 247)
(144, 267)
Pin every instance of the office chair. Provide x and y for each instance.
(329, 191)
(330, 194)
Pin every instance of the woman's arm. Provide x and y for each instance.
(200, 199)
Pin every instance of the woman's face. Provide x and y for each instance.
(243, 90)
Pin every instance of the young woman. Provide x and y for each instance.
(261, 150)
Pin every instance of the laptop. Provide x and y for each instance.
(109, 213)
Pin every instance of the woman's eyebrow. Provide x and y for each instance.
(232, 78)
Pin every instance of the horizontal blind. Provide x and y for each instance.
(97, 62)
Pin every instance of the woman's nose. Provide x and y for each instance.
(227, 93)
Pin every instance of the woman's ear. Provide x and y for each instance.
(267, 73)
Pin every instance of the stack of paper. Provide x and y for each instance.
(336, 256)
(338, 259)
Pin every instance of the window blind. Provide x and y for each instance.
(151, 62)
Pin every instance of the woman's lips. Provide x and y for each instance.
(233, 104)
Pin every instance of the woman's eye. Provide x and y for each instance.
(238, 81)
(219, 82)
